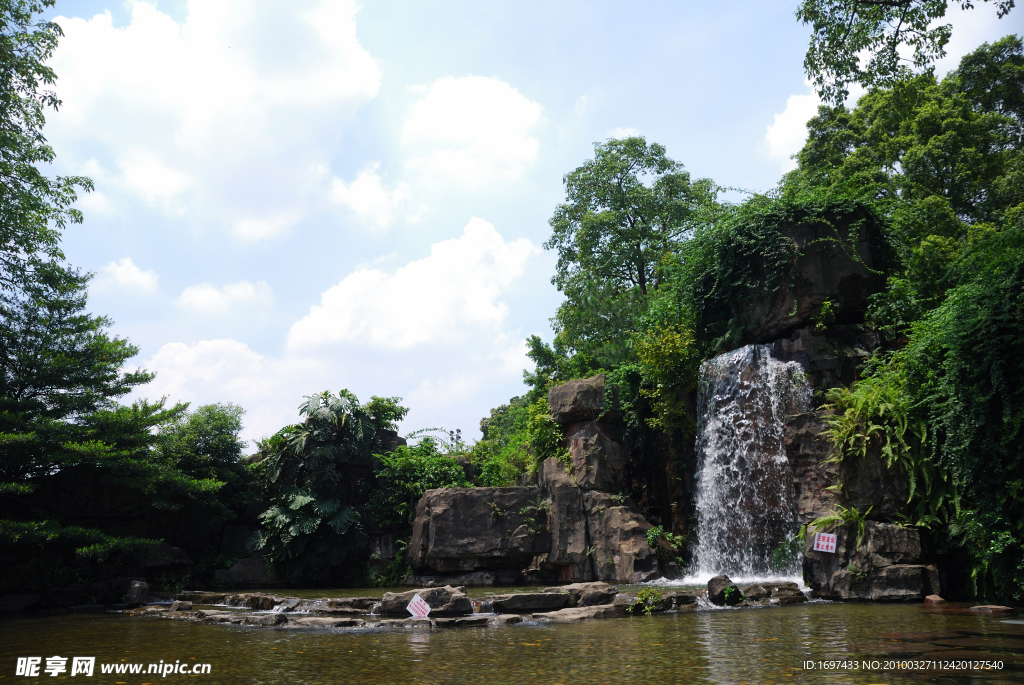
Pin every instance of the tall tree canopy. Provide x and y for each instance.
(83, 479)
(33, 208)
(626, 210)
(858, 41)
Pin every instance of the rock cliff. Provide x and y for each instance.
(574, 526)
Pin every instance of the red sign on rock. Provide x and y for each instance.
(825, 542)
(417, 607)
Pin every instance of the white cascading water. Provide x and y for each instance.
(745, 495)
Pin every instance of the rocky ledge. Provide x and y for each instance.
(451, 607)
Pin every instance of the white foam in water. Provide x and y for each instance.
(745, 507)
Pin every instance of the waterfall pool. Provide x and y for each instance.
(845, 643)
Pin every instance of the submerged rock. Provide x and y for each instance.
(443, 601)
(459, 622)
(529, 601)
(772, 593)
(577, 614)
(586, 594)
(327, 622)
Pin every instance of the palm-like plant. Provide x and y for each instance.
(313, 523)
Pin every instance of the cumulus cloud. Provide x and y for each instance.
(223, 115)
(208, 299)
(788, 133)
(372, 202)
(472, 129)
(623, 132)
(123, 275)
(458, 286)
(227, 370)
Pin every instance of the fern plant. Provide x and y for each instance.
(838, 517)
(877, 413)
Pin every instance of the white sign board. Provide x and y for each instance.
(417, 607)
(825, 542)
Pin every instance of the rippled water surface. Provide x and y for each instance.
(728, 646)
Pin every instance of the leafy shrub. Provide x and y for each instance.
(403, 476)
(646, 601)
(314, 523)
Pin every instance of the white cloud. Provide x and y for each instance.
(123, 275)
(787, 135)
(458, 287)
(223, 115)
(621, 132)
(254, 229)
(208, 299)
(472, 129)
(374, 204)
(230, 371)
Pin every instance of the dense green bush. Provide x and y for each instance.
(403, 476)
(314, 523)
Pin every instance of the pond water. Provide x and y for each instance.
(752, 646)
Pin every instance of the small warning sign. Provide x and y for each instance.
(824, 542)
(418, 608)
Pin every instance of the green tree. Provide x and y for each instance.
(940, 162)
(33, 208)
(306, 470)
(625, 211)
(858, 41)
(403, 476)
(203, 444)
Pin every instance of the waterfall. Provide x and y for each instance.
(745, 511)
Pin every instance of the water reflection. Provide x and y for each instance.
(727, 646)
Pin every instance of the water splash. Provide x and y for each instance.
(745, 500)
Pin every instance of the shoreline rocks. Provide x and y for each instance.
(888, 565)
(443, 601)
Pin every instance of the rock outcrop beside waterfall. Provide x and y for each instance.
(887, 565)
(828, 267)
(741, 505)
(575, 526)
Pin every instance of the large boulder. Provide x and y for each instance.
(586, 594)
(598, 458)
(443, 601)
(888, 565)
(458, 530)
(808, 452)
(528, 602)
(138, 593)
(567, 523)
(867, 484)
(827, 268)
(582, 400)
(618, 535)
(723, 592)
(167, 556)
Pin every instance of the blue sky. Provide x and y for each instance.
(292, 197)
